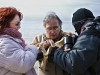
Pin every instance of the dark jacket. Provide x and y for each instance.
(83, 59)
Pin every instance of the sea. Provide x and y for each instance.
(30, 27)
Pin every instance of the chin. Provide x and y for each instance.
(17, 29)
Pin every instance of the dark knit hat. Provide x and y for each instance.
(82, 14)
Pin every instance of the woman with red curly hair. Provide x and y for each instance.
(16, 58)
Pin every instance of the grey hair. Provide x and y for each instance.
(50, 16)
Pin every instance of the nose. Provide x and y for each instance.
(19, 27)
(52, 31)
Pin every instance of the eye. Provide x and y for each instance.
(56, 27)
(18, 24)
(52, 28)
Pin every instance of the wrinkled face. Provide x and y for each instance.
(15, 23)
(52, 29)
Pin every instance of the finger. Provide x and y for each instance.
(67, 49)
(52, 43)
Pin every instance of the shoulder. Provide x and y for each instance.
(41, 36)
(5, 39)
(8, 41)
(69, 34)
(38, 38)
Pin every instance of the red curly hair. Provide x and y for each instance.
(7, 14)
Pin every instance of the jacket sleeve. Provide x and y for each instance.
(36, 41)
(81, 57)
(15, 58)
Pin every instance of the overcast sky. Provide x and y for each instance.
(36, 9)
(61, 7)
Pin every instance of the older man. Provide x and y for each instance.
(49, 40)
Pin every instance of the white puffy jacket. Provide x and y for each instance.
(14, 59)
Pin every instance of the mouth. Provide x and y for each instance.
(52, 35)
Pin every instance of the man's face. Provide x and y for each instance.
(52, 29)
(78, 26)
